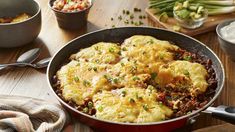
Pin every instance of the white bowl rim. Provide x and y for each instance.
(220, 26)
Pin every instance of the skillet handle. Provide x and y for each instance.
(225, 113)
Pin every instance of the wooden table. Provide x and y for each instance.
(33, 83)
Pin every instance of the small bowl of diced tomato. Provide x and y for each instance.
(71, 14)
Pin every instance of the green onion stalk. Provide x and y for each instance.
(214, 7)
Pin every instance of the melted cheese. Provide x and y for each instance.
(147, 49)
(136, 105)
(81, 80)
(184, 74)
(20, 18)
(100, 53)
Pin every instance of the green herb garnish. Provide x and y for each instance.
(86, 83)
(150, 87)
(95, 68)
(161, 56)
(90, 104)
(126, 21)
(111, 50)
(163, 17)
(186, 73)
(76, 79)
(187, 58)
(120, 18)
(85, 110)
(100, 108)
(127, 12)
(68, 1)
(131, 100)
(123, 11)
(122, 64)
(131, 16)
(115, 80)
(123, 93)
(124, 49)
(135, 78)
(141, 23)
(176, 28)
(153, 75)
(145, 106)
(138, 97)
(150, 41)
(184, 13)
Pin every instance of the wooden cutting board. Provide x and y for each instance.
(209, 25)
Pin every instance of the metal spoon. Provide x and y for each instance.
(27, 57)
(41, 64)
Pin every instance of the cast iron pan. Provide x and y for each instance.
(118, 35)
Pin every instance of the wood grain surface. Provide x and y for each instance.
(209, 25)
(33, 83)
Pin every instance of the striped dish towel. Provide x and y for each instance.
(24, 114)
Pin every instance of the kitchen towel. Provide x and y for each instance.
(25, 114)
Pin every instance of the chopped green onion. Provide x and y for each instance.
(163, 17)
(135, 78)
(123, 93)
(100, 108)
(153, 75)
(186, 73)
(187, 58)
(86, 83)
(122, 64)
(131, 16)
(150, 87)
(76, 79)
(124, 49)
(115, 80)
(95, 68)
(184, 13)
(145, 106)
(186, 4)
(89, 69)
(131, 100)
(138, 97)
(120, 18)
(127, 12)
(85, 110)
(90, 104)
(126, 22)
(68, 1)
(123, 11)
(176, 28)
(111, 50)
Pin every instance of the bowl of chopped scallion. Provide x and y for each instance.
(190, 15)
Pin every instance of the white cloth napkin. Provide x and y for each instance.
(24, 114)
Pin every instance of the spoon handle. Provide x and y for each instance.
(13, 64)
(2, 68)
